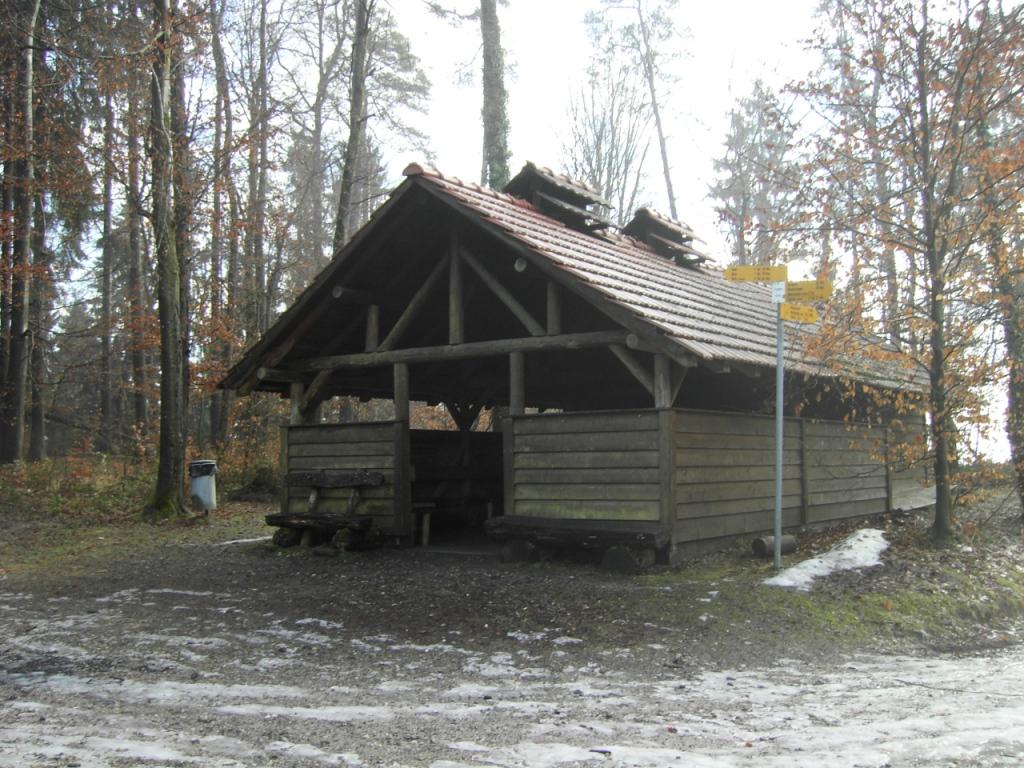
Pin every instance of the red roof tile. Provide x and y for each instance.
(695, 307)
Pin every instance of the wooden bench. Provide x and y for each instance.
(327, 522)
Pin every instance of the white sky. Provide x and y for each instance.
(730, 44)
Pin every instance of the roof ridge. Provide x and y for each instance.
(416, 169)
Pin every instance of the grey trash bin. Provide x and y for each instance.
(202, 475)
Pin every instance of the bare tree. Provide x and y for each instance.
(609, 135)
(644, 29)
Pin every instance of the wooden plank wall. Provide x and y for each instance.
(725, 474)
(846, 474)
(583, 466)
(345, 446)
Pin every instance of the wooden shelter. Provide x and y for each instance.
(637, 382)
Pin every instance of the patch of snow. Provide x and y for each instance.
(502, 665)
(322, 623)
(527, 637)
(178, 592)
(859, 550)
(242, 541)
(161, 692)
(563, 640)
(333, 714)
(309, 752)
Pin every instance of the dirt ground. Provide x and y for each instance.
(205, 645)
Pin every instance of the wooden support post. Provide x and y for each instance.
(401, 392)
(296, 391)
(678, 377)
(283, 468)
(456, 310)
(805, 480)
(413, 308)
(554, 309)
(517, 383)
(889, 491)
(313, 396)
(372, 327)
(662, 382)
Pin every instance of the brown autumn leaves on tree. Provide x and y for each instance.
(911, 179)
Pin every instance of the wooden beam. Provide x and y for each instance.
(634, 366)
(295, 393)
(469, 350)
(413, 307)
(517, 384)
(678, 377)
(372, 327)
(278, 374)
(456, 308)
(314, 394)
(348, 295)
(662, 382)
(506, 298)
(401, 373)
(554, 309)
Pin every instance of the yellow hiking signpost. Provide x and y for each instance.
(757, 274)
(798, 313)
(782, 292)
(808, 290)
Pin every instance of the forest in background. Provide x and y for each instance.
(175, 173)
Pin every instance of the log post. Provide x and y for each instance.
(805, 480)
(517, 383)
(372, 327)
(662, 382)
(298, 416)
(456, 311)
(401, 392)
(554, 309)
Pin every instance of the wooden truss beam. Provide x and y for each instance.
(503, 294)
(567, 341)
(414, 306)
(634, 366)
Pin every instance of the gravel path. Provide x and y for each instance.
(235, 654)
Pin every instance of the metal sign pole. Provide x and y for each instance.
(779, 342)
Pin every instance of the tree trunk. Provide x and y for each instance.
(184, 200)
(136, 270)
(495, 172)
(13, 445)
(647, 54)
(167, 497)
(935, 257)
(221, 315)
(40, 328)
(356, 120)
(104, 443)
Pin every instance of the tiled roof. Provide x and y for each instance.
(695, 307)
